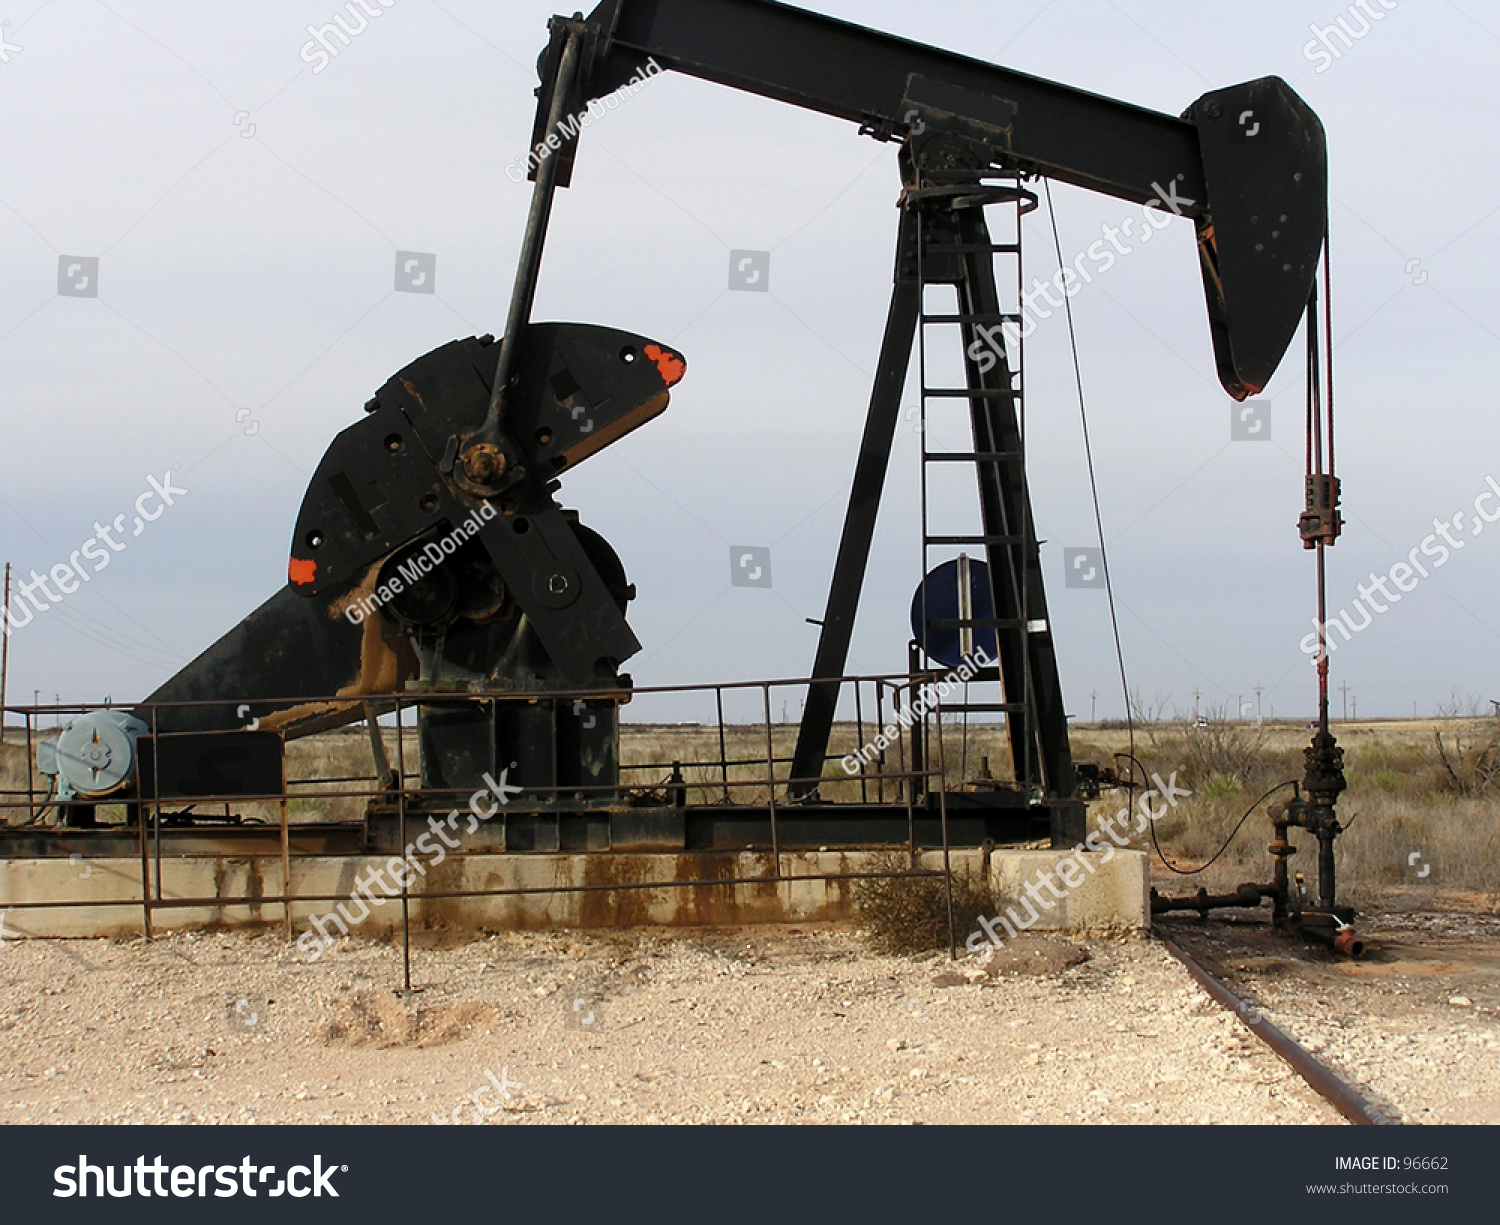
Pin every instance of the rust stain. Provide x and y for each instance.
(588, 444)
(715, 903)
(386, 660)
(416, 395)
(292, 716)
(382, 653)
(607, 908)
(706, 905)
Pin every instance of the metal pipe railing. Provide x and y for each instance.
(150, 824)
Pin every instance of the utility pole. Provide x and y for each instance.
(1258, 689)
(1344, 689)
(4, 650)
(1093, 706)
(1354, 706)
(1197, 693)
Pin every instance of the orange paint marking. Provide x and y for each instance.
(670, 365)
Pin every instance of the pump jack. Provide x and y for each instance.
(480, 432)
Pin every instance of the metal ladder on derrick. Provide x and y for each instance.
(955, 248)
(944, 240)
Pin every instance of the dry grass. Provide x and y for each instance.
(910, 914)
(1417, 786)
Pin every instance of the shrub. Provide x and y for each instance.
(910, 914)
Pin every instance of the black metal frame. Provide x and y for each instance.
(959, 119)
(944, 240)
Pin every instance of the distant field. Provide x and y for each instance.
(1428, 787)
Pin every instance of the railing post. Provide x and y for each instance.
(141, 832)
(155, 804)
(401, 839)
(918, 738)
(286, 851)
(31, 811)
(859, 744)
(942, 790)
(765, 690)
(723, 747)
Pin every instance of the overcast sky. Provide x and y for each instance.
(246, 212)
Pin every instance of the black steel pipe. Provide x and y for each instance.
(1203, 901)
(1327, 829)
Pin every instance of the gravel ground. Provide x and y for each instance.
(745, 1026)
(1414, 1026)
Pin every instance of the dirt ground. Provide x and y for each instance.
(748, 1026)
(1414, 1025)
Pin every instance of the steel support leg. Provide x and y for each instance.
(859, 520)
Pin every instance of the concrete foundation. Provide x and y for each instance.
(614, 890)
(1114, 897)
